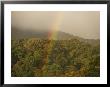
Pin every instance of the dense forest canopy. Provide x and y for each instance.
(34, 57)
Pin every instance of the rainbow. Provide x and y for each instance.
(55, 26)
(52, 35)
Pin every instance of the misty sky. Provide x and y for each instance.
(84, 24)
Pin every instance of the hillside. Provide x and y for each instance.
(25, 34)
(33, 54)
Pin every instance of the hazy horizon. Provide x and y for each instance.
(85, 24)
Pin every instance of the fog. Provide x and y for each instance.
(84, 24)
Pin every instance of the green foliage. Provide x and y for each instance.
(41, 57)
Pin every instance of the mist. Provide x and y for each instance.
(85, 24)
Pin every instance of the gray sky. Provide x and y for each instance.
(84, 24)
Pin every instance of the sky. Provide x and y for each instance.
(85, 24)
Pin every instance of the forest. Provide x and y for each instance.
(33, 57)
